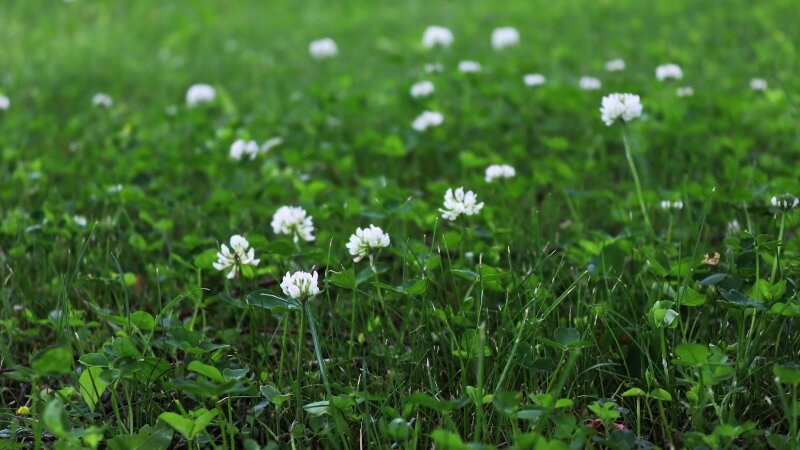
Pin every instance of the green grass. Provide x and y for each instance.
(571, 312)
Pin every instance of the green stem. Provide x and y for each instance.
(315, 338)
(778, 250)
(299, 371)
(635, 175)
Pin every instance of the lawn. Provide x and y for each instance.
(418, 224)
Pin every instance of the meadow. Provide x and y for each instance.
(412, 225)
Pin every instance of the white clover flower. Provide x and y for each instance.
(300, 285)
(5, 102)
(589, 83)
(433, 68)
(436, 36)
(428, 119)
(758, 84)
(785, 202)
(620, 106)
(504, 37)
(80, 221)
(534, 79)
(496, 171)
(102, 100)
(667, 204)
(469, 67)
(237, 256)
(200, 93)
(113, 189)
(323, 48)
(668, 71)
(366, 240)
(293, 221)
(422, 89)
(615, 65)
(241, 148)
(458, 203)
(733, 228)
(684, 91)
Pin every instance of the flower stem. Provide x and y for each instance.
(635, 175)
(299, 370)
(778, 250)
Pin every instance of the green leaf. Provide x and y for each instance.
(422, 399)
(345, 279)
(567, 336)
(143, 320)
(55, 419)
(207, 371)
(267, 300)
(273, 395)
(91, 386)
(506, 402)
(147, 438)
(317, 408)
(692, 354)
(690, 297)
(634, 392)
(737, 298)
(787, 373)
(661, 394)
(94, 360)
(53, 360)
(181, 424)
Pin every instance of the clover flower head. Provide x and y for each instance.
(422, 89)
(620, 106)
(323, 48)
(232, 259)
(293, 221)
(102, 100)
(504, 37)
(469, 67)
(80, 221)
(241, 148)
(428, 119)
(785, 202)
(684, 91)
(758, 84)
(436, 36)
(615, 65)
(433, 68)
(366, 240)
(459, 202)
(669, 71)
(200, 93)
(733, 228)
(300, 285)
(589, 83)
(668, 204)
(534, 79)
(497, 171)
(5, 102)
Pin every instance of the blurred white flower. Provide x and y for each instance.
(365, 240)
(102, 100)
(433, 68)
(496, 171)
(237, 256)
(589, 83)
(758, 84)
(113, 189)
(300, 285)
(241, 148)
(620, 106)
(615, 65)
(785, 202)
(79, 221)
(5, 102)
(669, 71)
(293, 221)
(422, 89)
(436, 36)
(323, 48)
(733, 228)
(667, 204)
(200, 93)
(534, 79)
(684, 91)
(428, 119)
(469, 67)
(270, 143)
(458, 203)
(504, 37)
